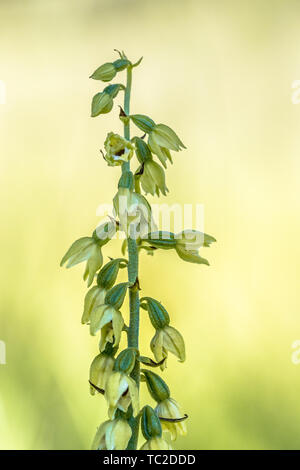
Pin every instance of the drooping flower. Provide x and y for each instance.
(94, 297)
(121, 391)
(100, 370)
(170, 409)
(85, 249)
(152, 178)
(167, 339)
(156, 443)
(110, 321)
(188, 243)
(112, 435)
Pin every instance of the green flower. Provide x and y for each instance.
(85, 249)
(188, 243)
(110, 321)
(118, 149)
(152, 178)
(102, 103)
(94, 297)
(133, 211)
(167, 339)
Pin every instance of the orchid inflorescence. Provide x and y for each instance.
(118, 377)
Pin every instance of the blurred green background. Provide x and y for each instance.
(220, 74)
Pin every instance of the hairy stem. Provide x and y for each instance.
(133, 262)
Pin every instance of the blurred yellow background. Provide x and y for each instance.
(220, 74)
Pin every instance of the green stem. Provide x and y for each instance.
(133, 262)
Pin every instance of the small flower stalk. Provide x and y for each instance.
(114, 374)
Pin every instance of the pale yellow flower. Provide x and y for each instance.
(167, 339)
(121, 391)
(156, 443)
(118, 149)
(110, 321)
(100, 370)
(112, 435)
(94, 297)
(170, 409)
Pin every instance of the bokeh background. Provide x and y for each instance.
(220, 74)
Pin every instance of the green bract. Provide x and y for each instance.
(118, 379)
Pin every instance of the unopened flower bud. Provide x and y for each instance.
(158, 315)
(125, 361)
(108, 274)
(150, 424)
(105, 72)
(157, 387)
(102, 103)
(144, 123)
(116, 295)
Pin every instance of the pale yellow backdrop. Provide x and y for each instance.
(219, 73)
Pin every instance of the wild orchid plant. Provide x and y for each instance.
(118, 377)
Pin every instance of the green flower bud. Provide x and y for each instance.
(116, 295)
(118, 149)
(153, 178)
(102, 103)
(105, 72)
(125, 361)
(142, 150)
(157, 387)
(108, 274)
(161, 239)
(144, 123)
(158, 315)
(150, 423)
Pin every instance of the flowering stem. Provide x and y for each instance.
(133, 261)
